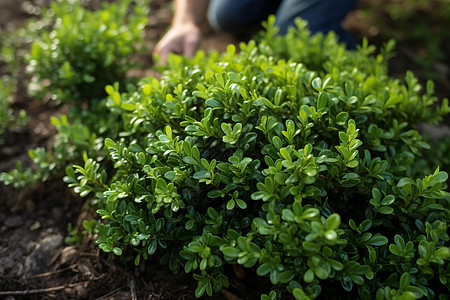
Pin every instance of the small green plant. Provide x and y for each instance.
(75, 237)
(71, 143)
(84, 50)
(7, 118)
(294, 157)
(5, 111)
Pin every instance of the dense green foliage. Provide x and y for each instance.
(95, 55)
(85, 50)
(294, 157)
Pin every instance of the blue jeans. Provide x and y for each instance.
(243, 17)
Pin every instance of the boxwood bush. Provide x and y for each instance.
(293, 157)
(84, 50)
(75, 53)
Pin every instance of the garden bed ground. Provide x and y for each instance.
(35, 263)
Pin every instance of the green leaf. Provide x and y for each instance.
(274, 276)
(103, 213)
(333, 221)
(203, 264)
(405, 279)
(377, 240)
(286, 276)
(128, 106)
(137, 260)
(213, 103)
(322, 101)
(342, 118)
(392, 101)
(109, 89)
(230, 204)
(277, 142)
(220, 79)
(321, 273)
(406, 181)
(330, 235)
(171, 175)
(438, 178)
(352, 164)
(226, 128)
(189, 160)
(152, 247)
(200, 290)
(376, 194)
(117, 251)
(317, 84)
(388, 200)
(299, 294)
(263, 102)
(241, 204)
(202, 175)
(308, 276)
(288, 215)
(386, 210)
(231, 252)
(264, 269)
(357, 279)
(110, 143)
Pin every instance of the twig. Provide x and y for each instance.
(42, 291)
(133, 289)
(53, 272)
(3, 250)
(50, 289)
(55, 257)
(229, 295)
(107, 296)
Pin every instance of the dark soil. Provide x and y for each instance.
(35, 263)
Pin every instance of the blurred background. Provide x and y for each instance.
(421, 29)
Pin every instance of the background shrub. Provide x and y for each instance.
(85, 50)
(420, 24)
(293, 157)
(76, 52)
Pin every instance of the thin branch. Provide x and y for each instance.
(42, 291)
(108, 295)
(53, 272)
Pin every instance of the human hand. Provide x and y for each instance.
(183, 39)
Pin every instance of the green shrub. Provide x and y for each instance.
(72, 142)
(93, 44)
(85, 50)
(293, 157)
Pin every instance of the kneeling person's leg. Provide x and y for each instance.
(240, 17)
(322, 16)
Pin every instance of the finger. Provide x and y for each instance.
(191, 45)
(164, 50)
(163, 55)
